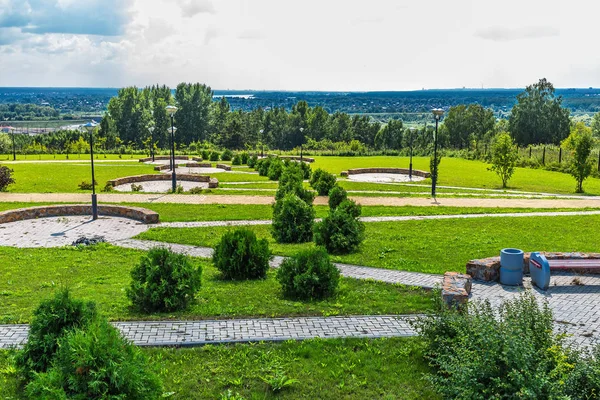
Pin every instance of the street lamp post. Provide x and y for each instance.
(90, 126)
(12, 135)
(301, 142)
(437, 114)
(410, 165)
(262, 145)
(171, 110)
(151, 129)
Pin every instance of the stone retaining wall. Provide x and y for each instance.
(140, 214)
(224, 166)
(488, 269)
(159, 177)
(297, 158)
(147, 159)
(188, 165)
(404, 171)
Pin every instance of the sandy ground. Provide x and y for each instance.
(234, 199)
(161, 186)
(384, 178)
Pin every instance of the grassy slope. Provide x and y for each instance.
(325, 369)
(433, 246)
(102, 274)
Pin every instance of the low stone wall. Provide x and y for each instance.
(213, 183)
(488, 269)
(139, 214)
(456, 289)
(404, 171)
(197, 159)
(187, 165)
(159, 177)
(148, 159)
(224, 166)
(297, 158)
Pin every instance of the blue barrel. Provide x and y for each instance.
(511, 267)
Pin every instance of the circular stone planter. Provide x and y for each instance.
(384, 175)
(160, 186)
(159, 183)
(194, 170)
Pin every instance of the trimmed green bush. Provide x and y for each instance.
(227, 155)
(337, 195)
(308, 275)
(275, 169)
(252, 161)
(206, 154)
(263, 164)
(510, 352)
(6, 178)
(244, 157)
(163, 281)
(341, 232)
(239, 255)
(96, 363)
(293, 220)
(291, 181)
(322, 181)
(214, 156)
(52, 319)
(237, 160)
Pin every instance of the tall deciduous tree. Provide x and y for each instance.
(464, 124)
(596, 125)
(390, 136)
(192, 116)
(538, 116)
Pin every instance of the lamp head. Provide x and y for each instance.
(171, 110)
(437, 113)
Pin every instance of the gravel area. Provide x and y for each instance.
(383, 178)
(203, 171)
(160, 186)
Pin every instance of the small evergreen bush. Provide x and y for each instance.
(227, 155)
(214, 156)
(322, 181)
(244, 158)
(239, 255)
(5, 177)
(262, 165)
(84, 185)
(237, 160)
(163, 281)
(293, 220)
(291, 181)
(341, 232)
(96, 362)
(52, 319)
(206, 154)
(275, 169)
(252, 161)
(308, 275)
(337, 195)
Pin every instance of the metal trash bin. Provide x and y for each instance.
(511, 267)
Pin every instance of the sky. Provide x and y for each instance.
(325, 45)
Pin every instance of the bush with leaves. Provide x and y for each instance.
(227, 155)
(322, 181)
(96, 362)
(240, 255)
(263, 164)
(244, 157)
(214, 156)
(337, 195)
(308, 275)
(252, 161)
(293, 220)
(163, 281)
(275, 169)
(52, 319)
(237, 160)
(341, 231)
(511, 352)
(580, 142)
(504, 157)
(205, 154)
(291, 181)
(5, 177)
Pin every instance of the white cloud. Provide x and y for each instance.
(190, 8)
(504, 34)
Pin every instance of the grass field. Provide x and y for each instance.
(433, 246)
(324, 369)
(102, 274)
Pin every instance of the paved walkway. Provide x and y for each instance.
(584, 202)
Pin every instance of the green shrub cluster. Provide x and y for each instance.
(239, 255)
(505, 353)
(206, 154)
(244, 157)
(322, 181)
(275, 169)
(237, 160)
(308, 275)
(227, 155)
(291, 181)
(341, 231)
(262, 165)
(5, 177)
(214, 156)
(252, 161)
(163, 281)
(337, 195)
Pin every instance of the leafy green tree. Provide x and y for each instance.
(219, 117)
(596, 125)
(538, 116)
(390, 136)
(464, 124)
(192, 116)
(317, 122)
(504, 157)
(580, 142)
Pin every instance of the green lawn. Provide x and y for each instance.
(102, 274)
(433, 246)
(324, 369)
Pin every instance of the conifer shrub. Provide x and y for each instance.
(237, 160)
(206, 154)
(244, 157)
(252, 161)
(341, 231)
(96, 362)
(308, 275)
(214, 156)
(163, 281)
(240, 255)
(52, 319)
(227, 155)
(262, 165)
(337, 195)
(293, 220)
(5, 177)
(291, 181)
(275, 170)
(322, 181)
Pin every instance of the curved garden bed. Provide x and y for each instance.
(212, 182)
(137, 213)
